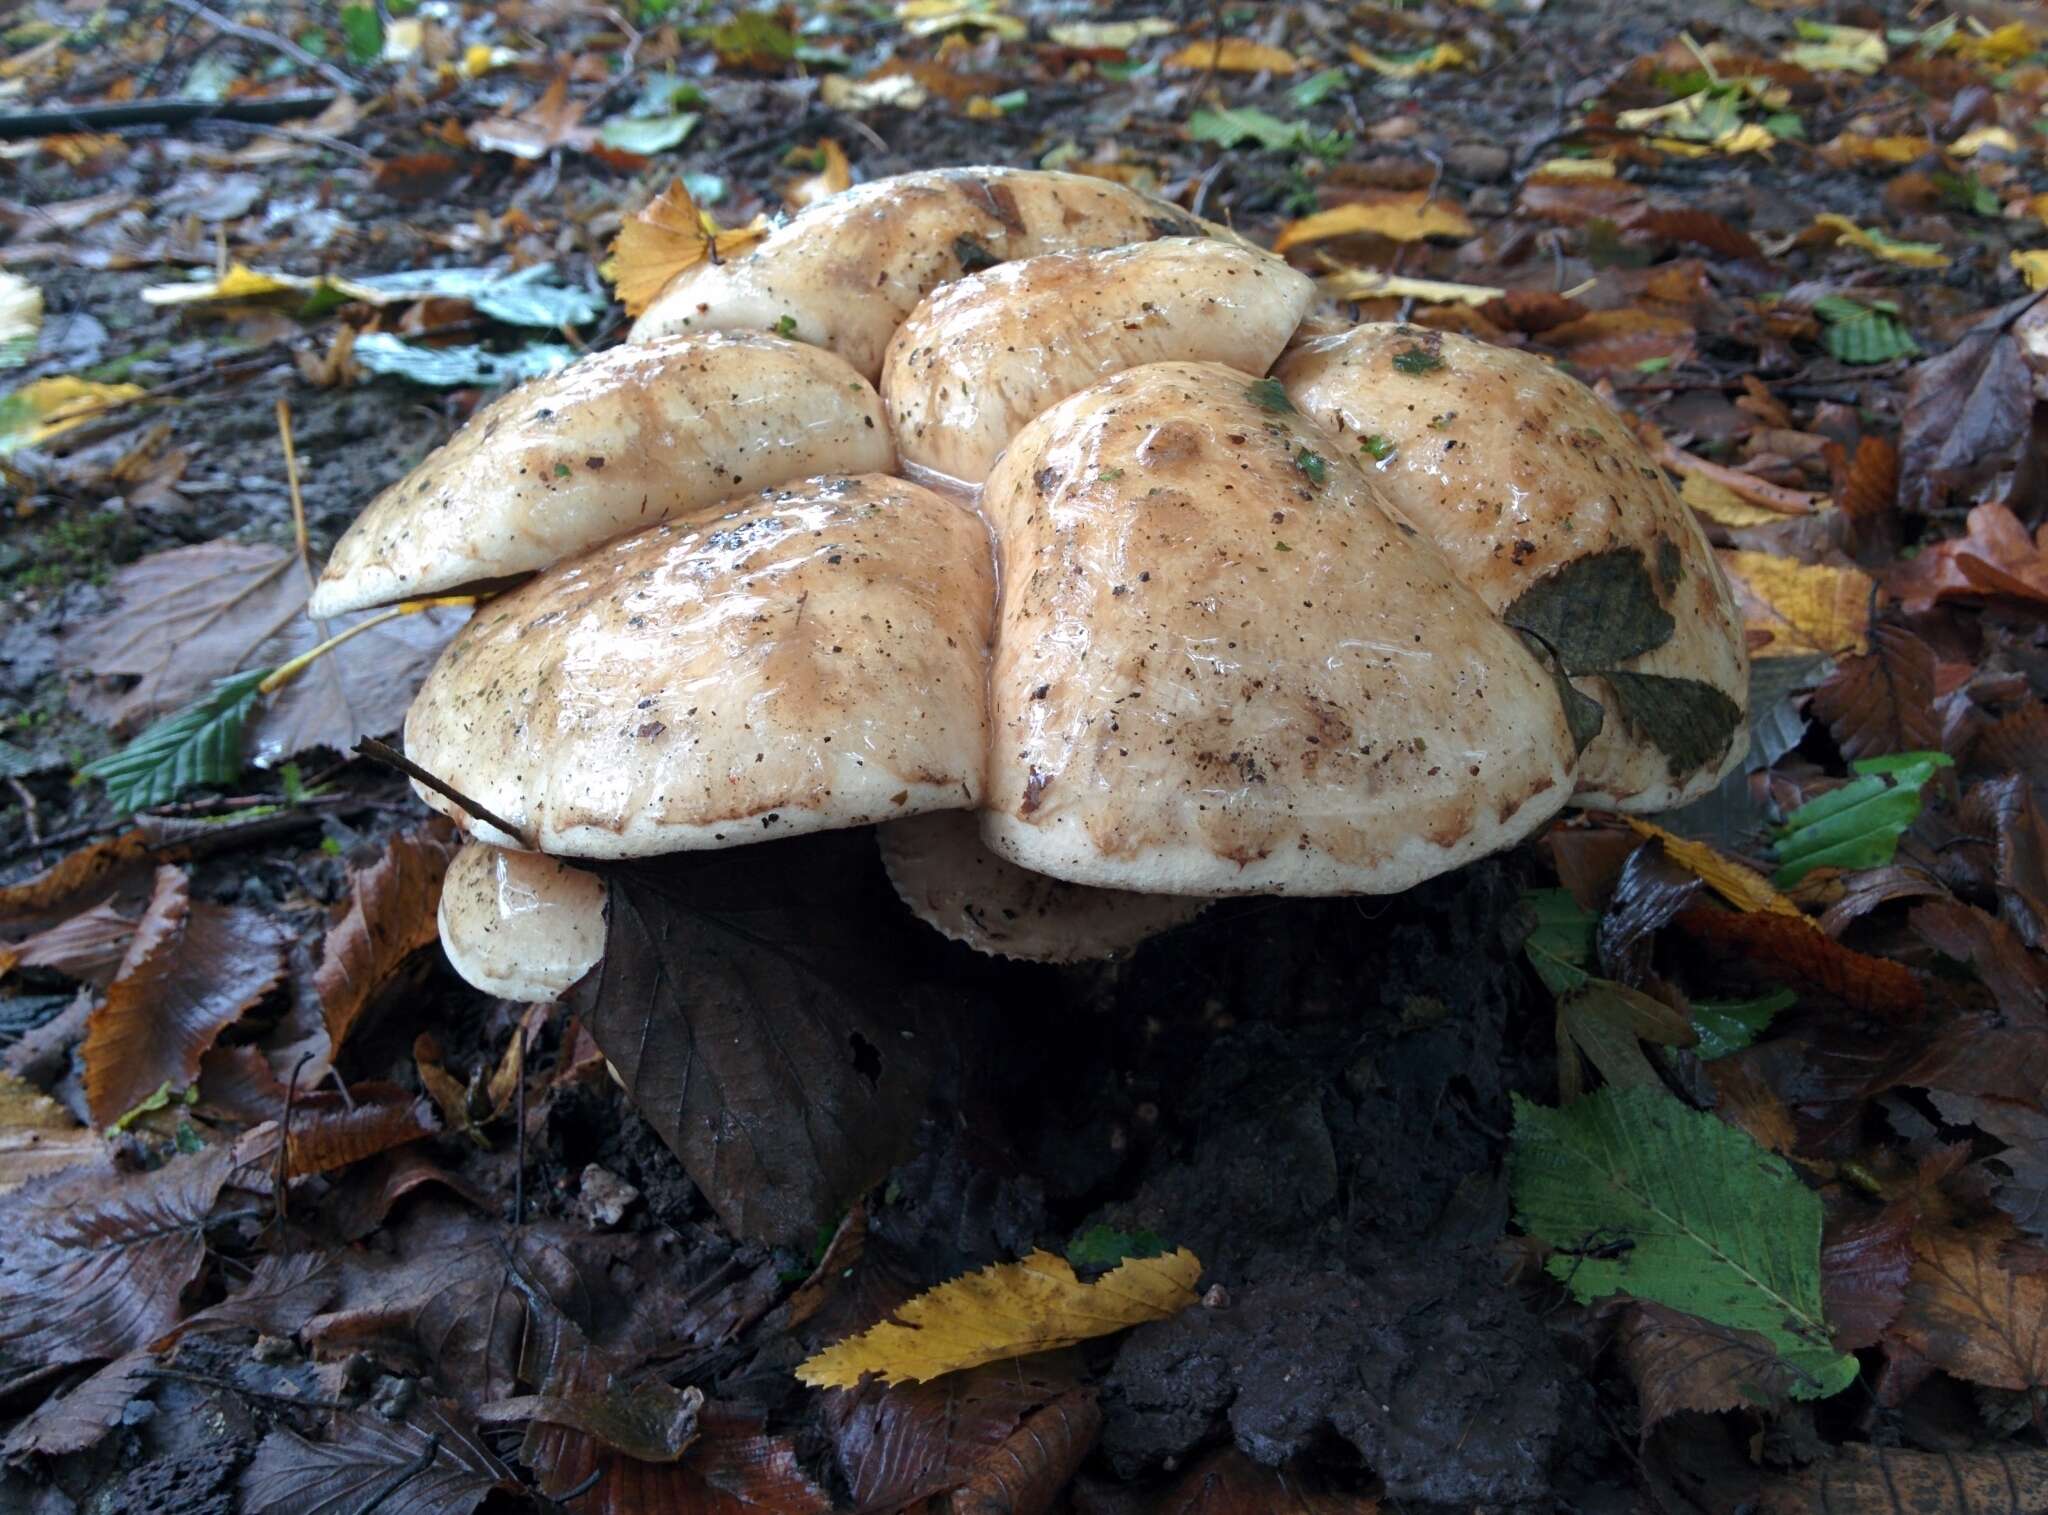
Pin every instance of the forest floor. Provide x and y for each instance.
(1796, 243)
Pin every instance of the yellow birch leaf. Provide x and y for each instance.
(47, 408)
(1737, 883)
(38, 1135)
(1722, 505)
(1852, 148)
(1440, 57)
(1910, 254)
(1234, 55)
(1371, 284)
(1009, 1310)
(2032, 266)
(664, 237)
(1574, 168)
(1404, 216)
(1974, 141)
(1804, 607)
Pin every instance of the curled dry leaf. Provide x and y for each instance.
(88, 946)
(1037, 1461)
(1996, 557)
(1778, 946)
(666, 236)
(1968, 411)
(1008, 1310)
(83, 1416)
(1861, 1478)
(833, 175)
(75, 873)
(192, 971)
(333, 1135)
(1737, 883)
(388, 917)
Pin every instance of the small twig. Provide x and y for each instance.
(271, 40)
(403, 1476)
(28, 811)
(133, 113)
(519, 1137)
(582, 1488)
(284, 1136)
(211, 1382)
(291, 478)
(385, 753)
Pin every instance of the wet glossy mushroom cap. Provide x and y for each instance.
(617, 440)
(981, 356)
(1223, 667)
(950, 880)
(812, 658)
(520, 925)
(847, 270)
(1535, 487)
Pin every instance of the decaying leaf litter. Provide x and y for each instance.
(1696, 1162)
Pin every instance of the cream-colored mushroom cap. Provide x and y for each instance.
(943, 871)
(614, 441)
(1223, 667)
(980, 357)
(847, 270)
(520, 925)
(813, 658)
(1534, 487)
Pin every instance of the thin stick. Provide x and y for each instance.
(519, 1141)
(385, 753)
(271, 40)
(582, 1488)
(291, 477)
(285, 672)
(284, 1137)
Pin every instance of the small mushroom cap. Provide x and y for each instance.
(614, 441)
(1518, 470)
(1223, 667)
(847, 270)
(813, 658)
(943, 871)
(983, 355)
(520, 925)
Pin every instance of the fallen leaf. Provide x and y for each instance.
(1802, 607)
(1879, 244)
(1575, 168)
(1373, 284)
(1623, 339)
(390, 914)
(2017, 979)
(456, 367)
(1968, 413)
(1722, 505)
(1038, 1461)
(193, 970)
(1007, 1310)
(664, 237)
(929, 18)
(1839, 49)
(47, 408)
(1995, 557)
(1435, 58)
(833, 175)
(1852, 150)
(1234, 55)
(553, 121)
(1864, 1264)
(1227, 1482)
(734, 1468)
(1782, 948)
(1979, 138)
(1859, 1477)
(1680, 1362)
(432, 1462)
(75, 873)
(1882, 701)
(82, 1417)
(2023, 1191)
(88, 946)
(21, 319)
(38, 1136)
(1969, 1316)
(1402, 215)
(331, 1135)
(2032, 266)
(1110, 36)
(188, 617)
(1737, 883)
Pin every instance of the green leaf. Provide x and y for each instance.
(200, 744)
(1689, 721)
(1268, 395)
(1859, 824)
(1229, 128)
(755, 39)
(362, 33)
(1595, 611)
(1314, 91)
(1311, 464)
(1560, 944)
(1380, 447)
(647, 135)
(1726, 1026)
(1103, 1247)
(1645, 1198)
(1870, 338)
(1417, 360)
(447, 367)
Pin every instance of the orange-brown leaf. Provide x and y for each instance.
(664, 237)
(1970, 1316)
(1860, 1479)
(834, 174)
(191, 971)
(73, 873)
(333, 1135)
(388, 917)
(1778, 945)
(1882, 701)
(1680, 1362)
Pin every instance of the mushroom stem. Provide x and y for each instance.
(284, 673)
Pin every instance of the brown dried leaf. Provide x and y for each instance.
(1863, 1478)
(552, 121)
(2022, 833)
(38, 1137)
(2024, 1129)
(1883, 701)
(364, 1460)
(1969, 1316)
(1226, 1482)
(1622, 339)
(83, 1416)
(1996, 558)
(1699, 226)
(88, 946)
(1864, 1262)
(2017, 979)
(332, 1135)
(1780, 946)
(388, 917)
(1680, 1362)
(74, 873)
(190, 616)
(664, 237)
(1872, 487)
(192, 970)
(1967, 413)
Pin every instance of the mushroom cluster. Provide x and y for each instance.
(1030, 520)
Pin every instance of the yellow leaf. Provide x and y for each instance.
(1852, 148)
(830, 179)
(1089, 36)
(47, 408)
(2033, 267)
(1737, 883)
(240, 282)
(38, 1135)
(1006, 1311)
(1843, 49)
(1722, 505)
(1974, 141)
(1405, 216)
(1746, 138)
(1672, 113)
(1440, 57)
(403, 38)
(1678, 147)
(900, 90)
(479, 58)
(1575, 168)
(1234, 55)
(664, 237)
(2001, 48)
(21, 317)
(927, 18)
(1911, 254)
(1371, 284)
(1803, 607)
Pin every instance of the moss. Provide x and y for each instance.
(71, 549)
